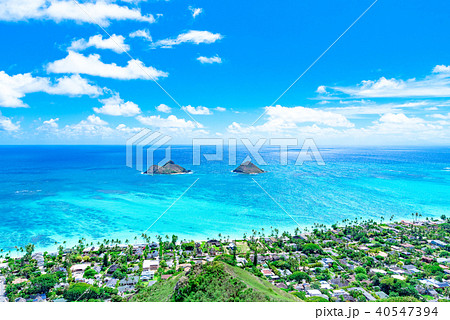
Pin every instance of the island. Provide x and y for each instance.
(169, 168)
(248, 168)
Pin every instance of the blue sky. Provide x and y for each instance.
(386, 81)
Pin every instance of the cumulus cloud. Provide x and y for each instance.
(211, 60)
(366, 107)
(114, 43)
(14, 88)
(435, 85)
(163, 108)
(145, 34)
(288, 120)
(441, 69)
(115, 106)
(441, 116)
(7, 125)
(220, 109)
(195, 11)
(171, 122)
(92, 65)
(102, 11)
(192, 36)
(294, 115)
(49, 126)
(124, 129)
(198, 111)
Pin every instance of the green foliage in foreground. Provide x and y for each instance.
(399, 299)
(214, 281)
(316, 299)
(86, 292)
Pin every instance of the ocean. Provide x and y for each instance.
(59, 194)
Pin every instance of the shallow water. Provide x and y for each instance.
(52, 194)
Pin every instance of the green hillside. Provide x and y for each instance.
(214, 281)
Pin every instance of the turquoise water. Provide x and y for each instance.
(64, 193)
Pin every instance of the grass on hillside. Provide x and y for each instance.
(214, 282)
(260, 285)
(160, 292)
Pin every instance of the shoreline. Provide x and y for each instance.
(126, 240)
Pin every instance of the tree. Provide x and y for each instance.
(311, 248)
(43, 283)
(299, 276)
(81, 292)
(89, 273)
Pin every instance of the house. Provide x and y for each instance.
(267, 272)
(285, 272)
(340, 282)
(439, 243)
(314, 293)
(338, 292)
(124, 289)
(427, 259)
(328, 262)
(111, 283)
(214, 243)
(368, 296)
(281, 285)
(147, 275)
(150, 265)
(375, 271)
(165, 276)
(325, 285)
(19, 280)
(381, 294)
(410, 269)
(79, 267)
(129, 281)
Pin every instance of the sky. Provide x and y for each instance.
(99, 71)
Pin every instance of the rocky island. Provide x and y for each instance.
(248, 168)
(169, 168)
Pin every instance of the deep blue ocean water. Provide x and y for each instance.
(64, 193)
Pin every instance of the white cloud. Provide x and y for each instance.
(95, 120)
(286, 120)
(367, 107)
(13, 88)
(141, 34)
(169, 122)
(321, 89)
(215, 59)
(114, 43)
(115, 106)
(49, 126)
(434, 85)
(441, 69)
(220, 109)
(74, 86)
(52, 123)
(441, 116)
(288, 116)
(164, 108)
(195, 11)
(192, 36)
(92, 127)
(123, 128)
(7, 125)
(91, 65)
(197, 111)
(102, 11)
